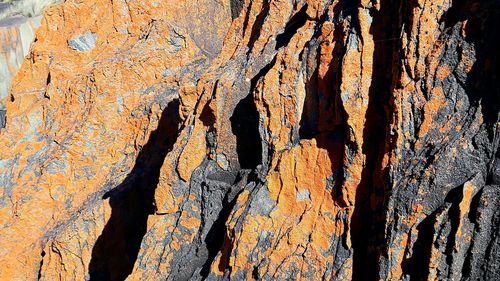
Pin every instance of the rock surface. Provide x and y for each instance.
(263, 139)
(16, 34)
(19, 20)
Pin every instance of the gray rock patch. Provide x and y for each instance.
(84, 42)
(262, 203)
(3, 113)
(303, 195)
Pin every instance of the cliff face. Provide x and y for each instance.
(16, 34)
(19, 20)
(262, 139)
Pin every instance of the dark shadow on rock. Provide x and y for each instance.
(482, 85)
(324, 119)
(116, 249)
(417, 267)
(257, 25)
(323, 115)
(297, 21)
(369, 216)
(217, 239)
(245, 126)
(476, 22)
(236, 7)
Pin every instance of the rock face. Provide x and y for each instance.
(274, 140)
(16, 35)
(19, 20)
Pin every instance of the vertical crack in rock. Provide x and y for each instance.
(257, 25)
(245, 126)
(245, 122)
(323, 116)
(417, 266)
(116, 249)
(453, 198)
(41, 265)
(368, 219)
(308, 124)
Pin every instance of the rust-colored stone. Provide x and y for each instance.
(274, 140)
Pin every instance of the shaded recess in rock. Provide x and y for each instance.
(416, 266)
(320, 105)
(236, 6)
(116, 249)
(482, 85)
(368, 238)
(217, 234)
(323, 118)
(245, 126)
(296, 21)
(308, 124)
(257, 26)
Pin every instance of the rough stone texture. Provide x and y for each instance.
(84, 42)
(26, 8)
(16, 34)
(274, 140)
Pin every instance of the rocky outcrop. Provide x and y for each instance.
(16, 35)
(336, 140)
(19, 20)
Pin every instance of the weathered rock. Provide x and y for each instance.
(16, 34)
(258, 139)
(19, 20)
(84, 42)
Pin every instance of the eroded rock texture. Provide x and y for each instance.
(16, 34)
(263, 139)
